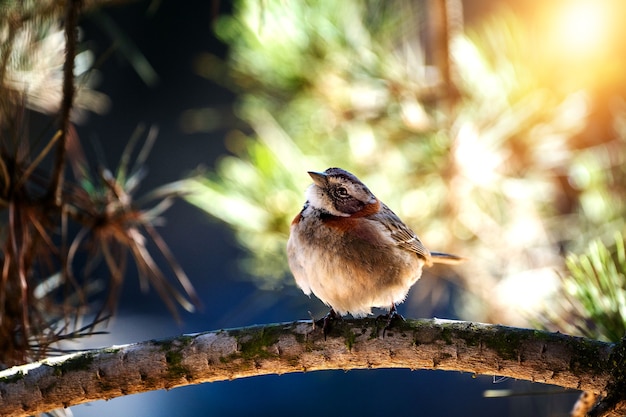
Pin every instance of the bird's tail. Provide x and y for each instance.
(446, 258)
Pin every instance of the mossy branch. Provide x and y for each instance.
(533, 355)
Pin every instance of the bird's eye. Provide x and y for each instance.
(341, 192)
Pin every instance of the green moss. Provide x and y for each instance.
(405, 326)
(618, 358)
(586, 356)
(18, 376)
(376, 326)
(374, 330)
(617, 367)
(253, 344)
(470, 335)
(349, 338)
(174, 356)
(79, 362)
(180, 341)
(447, 334)
(541, 335)
(507, 344)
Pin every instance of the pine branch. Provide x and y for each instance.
(71, 39)
(533, 355)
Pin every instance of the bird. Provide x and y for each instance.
(352, 251)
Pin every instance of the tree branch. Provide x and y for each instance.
(532, 355)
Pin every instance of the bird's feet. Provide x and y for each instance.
(326, 322)
(390, 317)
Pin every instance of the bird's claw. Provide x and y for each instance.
(390, 317)
(325, 322)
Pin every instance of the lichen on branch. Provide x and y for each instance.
(533, 355)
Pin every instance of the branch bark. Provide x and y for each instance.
(532, 355)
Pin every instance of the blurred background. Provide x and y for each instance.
(495, 129)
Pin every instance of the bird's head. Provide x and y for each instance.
(339, 193)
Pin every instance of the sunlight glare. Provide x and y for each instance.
(582, 26)
(524, 293)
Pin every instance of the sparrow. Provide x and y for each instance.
(351, 251)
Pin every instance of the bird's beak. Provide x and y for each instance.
(319, 178)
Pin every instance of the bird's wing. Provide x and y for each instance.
(402, 235)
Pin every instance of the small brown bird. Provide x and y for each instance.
(351, 251)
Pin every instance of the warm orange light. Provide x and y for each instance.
(581, 42)
(582, 26)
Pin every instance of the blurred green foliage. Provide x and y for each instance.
(594, 302)
(495, 172)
